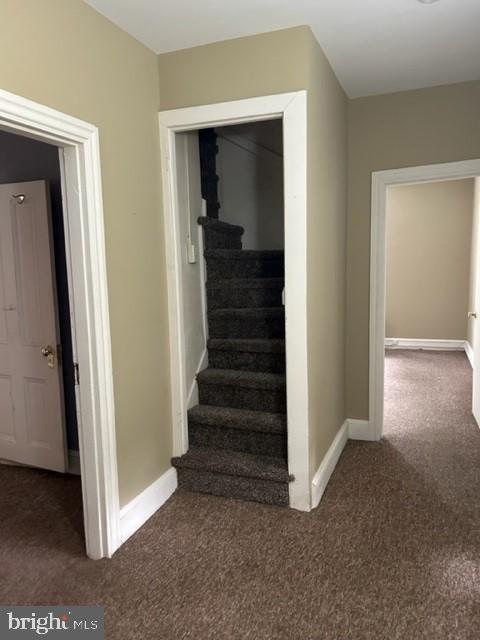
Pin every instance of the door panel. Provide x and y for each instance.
(31, 409)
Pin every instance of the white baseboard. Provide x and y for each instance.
(328, 464)
(469, 352)
(423, 343)
(73, 462)
(134, 514)
(433, 345)
(360, 430)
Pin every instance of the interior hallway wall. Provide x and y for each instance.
(428, 241)
(25, 160)
(67, 56)
(405, 129)
(326, 252)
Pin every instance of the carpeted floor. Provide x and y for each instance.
(392, 552)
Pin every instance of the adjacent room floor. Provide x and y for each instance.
(393, 550)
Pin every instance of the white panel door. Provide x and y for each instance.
(31, 409)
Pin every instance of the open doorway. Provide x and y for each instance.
(232, 272)
(430, 280)
(425, 221)
(39, 426)
(289, 397)
(33, 322)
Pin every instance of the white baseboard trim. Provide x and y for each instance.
(438, 345)
(74, 462)
(328, 464)
(134, 514)
(360, 430)
(469, 352)
(423, 343)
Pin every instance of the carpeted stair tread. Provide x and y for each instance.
(244, 419)
(244, 254)
(252, 345)
(244, 292)
(217, 225)
(248, 313)
(247, 322)
(247, 283)
(234, 463)
(250, 379)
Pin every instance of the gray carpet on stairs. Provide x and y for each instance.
(238, 432)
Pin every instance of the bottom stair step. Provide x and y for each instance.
(239, 430)
(234, 475)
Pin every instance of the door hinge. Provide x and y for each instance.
(76, 373)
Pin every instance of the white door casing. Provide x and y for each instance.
(79, 152)
(292, 109)
(381, 180)
(31, 408)
(475, 267)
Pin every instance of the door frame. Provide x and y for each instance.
(79, 153)
(292, 109)
(381, 180)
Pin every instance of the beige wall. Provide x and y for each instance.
(326, 252)
(65, 55)
(428, 238)
(234, 69)
(473, 302)
(439, 124)
(286, 61)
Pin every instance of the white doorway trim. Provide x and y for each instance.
(381, 180)
(86, 265)
(292, 109)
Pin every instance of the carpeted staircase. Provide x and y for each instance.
(238, 432)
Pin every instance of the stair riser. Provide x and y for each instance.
(237, 397)
(275, 493)
(247, 361)
(241, 327)
(215, 239)
(242, 298)
(219, 268)
(268, 444)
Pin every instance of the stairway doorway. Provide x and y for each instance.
(255, 387)
(237, 423)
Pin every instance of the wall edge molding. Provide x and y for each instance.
(328, 464)
(469, 352)
(136, 512)
(361, 430)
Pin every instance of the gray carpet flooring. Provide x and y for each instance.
(392, 552)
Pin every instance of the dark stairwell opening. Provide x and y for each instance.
(238, 430)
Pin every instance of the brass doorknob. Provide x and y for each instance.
(472, 315)
(47, 351)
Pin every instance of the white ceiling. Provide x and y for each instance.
(374, 46)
